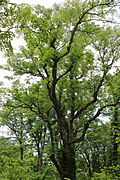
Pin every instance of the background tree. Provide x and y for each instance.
(115, 121)
(30, 133)
(95, 150)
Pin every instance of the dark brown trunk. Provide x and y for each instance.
(21, 151)
(65, 162)
(68, 161)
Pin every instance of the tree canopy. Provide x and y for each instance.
(70, 66)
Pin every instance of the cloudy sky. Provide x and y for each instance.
(47, 3)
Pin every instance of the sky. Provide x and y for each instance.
(46, 3)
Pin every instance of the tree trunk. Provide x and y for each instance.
(40, 158)
(65, 162)
(68, 164)
(21, 151)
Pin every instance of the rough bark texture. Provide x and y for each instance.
(66, 166)
(68, 161)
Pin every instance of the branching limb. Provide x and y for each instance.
(95, 94)
(46, 71)
(53, 159)
(66, 72)
(80, 21)
(87, 124)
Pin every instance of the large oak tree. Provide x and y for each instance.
(69, 54)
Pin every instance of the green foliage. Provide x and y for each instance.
(7, 20)
(66, 65)
(108, 173)
(12, 168)
(94, 154)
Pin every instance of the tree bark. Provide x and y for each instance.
(21, 150)
(40, 157)
(64, 159)
(68, 161)
(65, 162)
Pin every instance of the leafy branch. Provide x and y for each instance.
(87, 124)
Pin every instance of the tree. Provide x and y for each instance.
(115, 121)
(14, 120)
(23, 123)
(10, 164)
(94, 152)
(71, 55)
(30, 137)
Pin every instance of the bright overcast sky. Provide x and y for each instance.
(47, 3)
